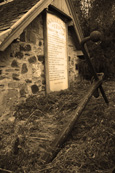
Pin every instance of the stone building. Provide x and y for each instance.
(39, 48)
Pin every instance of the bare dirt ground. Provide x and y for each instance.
(26, 135)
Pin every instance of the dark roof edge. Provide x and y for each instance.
(22, 23)
(76, 22)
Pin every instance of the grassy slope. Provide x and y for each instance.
(91, 146)
(26, 135)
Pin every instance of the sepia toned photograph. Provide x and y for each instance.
(57, 86)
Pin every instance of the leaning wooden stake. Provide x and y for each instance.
(54, 147)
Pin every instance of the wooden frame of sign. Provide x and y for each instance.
(56, 58)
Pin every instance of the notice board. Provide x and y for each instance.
(56, 59)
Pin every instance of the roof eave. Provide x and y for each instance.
(23, 22)
(26, 19)
(76, 23)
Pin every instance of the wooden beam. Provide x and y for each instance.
(75, 19)
(54, 148)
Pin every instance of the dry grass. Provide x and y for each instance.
(27, 135)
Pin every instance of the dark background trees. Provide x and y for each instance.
(98, 15)
(2, 1)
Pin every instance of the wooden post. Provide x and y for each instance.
(54, 148)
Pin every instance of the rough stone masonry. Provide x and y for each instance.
(22, 66)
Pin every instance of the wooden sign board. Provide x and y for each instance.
(56, 59)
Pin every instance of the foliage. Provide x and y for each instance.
(1, 1)
(101, 17)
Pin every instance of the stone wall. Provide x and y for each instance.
(22, 70)
(22, 67)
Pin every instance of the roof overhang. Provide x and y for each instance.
(76, 23)
(6, 37)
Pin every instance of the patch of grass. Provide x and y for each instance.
(89, 148)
